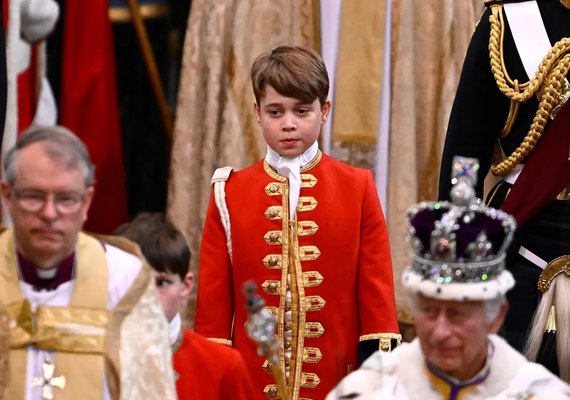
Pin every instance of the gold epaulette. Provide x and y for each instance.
(560, 265)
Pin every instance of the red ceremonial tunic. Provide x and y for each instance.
(208, 371)
(336, 254)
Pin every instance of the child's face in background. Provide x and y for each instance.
(289, 126)
(172, 291)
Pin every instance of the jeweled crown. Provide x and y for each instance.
(461, 241)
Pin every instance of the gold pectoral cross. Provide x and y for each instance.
(48, 381)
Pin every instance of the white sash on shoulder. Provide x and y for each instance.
(529, 33)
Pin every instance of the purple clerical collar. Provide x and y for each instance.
(42, 279)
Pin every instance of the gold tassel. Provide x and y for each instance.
(551, 323)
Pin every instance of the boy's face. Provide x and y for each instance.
(289, 125)
(172, 291)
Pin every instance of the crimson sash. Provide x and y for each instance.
(546, 172)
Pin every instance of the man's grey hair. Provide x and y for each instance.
(493, 307)
(59, 143)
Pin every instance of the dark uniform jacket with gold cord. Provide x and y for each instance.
(82, 339)
(482, 116)
(336, 253)
(480, 110)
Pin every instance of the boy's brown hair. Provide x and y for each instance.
(163, 246)
(293, 71)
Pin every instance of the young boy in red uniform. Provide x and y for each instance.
(309, 230)
(203, 369)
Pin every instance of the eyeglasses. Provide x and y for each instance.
(34, 201)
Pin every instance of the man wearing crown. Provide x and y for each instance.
(458, 283)
(510, 112)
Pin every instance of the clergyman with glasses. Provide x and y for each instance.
(72, 305)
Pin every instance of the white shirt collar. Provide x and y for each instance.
(290, 167)
(272, 157)
(174, 327)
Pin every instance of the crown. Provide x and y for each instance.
(459, 247)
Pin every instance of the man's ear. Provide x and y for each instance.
(89, 193)
(257, 112)
(6, 195)
(495, 325)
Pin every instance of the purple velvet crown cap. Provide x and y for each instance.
(466, 231)
(459, 243)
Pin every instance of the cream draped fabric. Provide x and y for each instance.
(147, 375)
(215, 124)
(429, 42)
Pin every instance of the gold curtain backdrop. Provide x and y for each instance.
(429, 42)
(215, 124)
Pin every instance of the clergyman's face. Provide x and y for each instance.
(453, 335)
(48, 235)
(289, 125)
